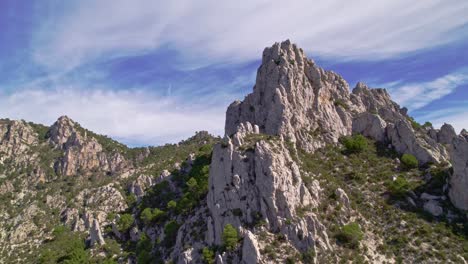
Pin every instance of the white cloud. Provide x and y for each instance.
(418, 95)
(132, 116)
(235, 31)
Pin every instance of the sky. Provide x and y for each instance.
(149, 72)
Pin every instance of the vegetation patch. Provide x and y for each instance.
(409, 161)
(230, 237)
(350, 235)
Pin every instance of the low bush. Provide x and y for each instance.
(208, 256)
(66, 247)
(399, 187)
(170, 233)
(409, 161)
(230, 237)
(350, 235)
(149, 215)
(355, 144)
(125, 222)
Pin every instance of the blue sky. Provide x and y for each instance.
(150, 72)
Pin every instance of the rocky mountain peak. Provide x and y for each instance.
(61, 131)
(295, 98)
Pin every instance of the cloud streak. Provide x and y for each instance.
(135, 117)
(417, 95)
(226, 31)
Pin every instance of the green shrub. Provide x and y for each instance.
(143, 250)
(350, 235)
(66, 247)
(355, 144)
(208, 256)
(308, 256)
(341, 103)
(427, 124)
(149, 215)
(130, 199)
(414, 124)
(230, 237)
(409, 161)
(399, 187)
(125, 222)
(170, 233)
(171, 205)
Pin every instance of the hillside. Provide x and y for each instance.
(309, 171)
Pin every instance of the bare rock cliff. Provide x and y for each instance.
(295, 104)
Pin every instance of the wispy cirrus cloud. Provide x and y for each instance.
(417, 95)
(210, 30)
(136, 117)
(150, 71)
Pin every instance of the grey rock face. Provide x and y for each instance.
(446, 134)
(83, 154)
(250, 249)
(405, 140)
(139, 186)
(95, 234)
(458, 191)
(433, 207)
(370, 125)
(295, 98)
(263, 184)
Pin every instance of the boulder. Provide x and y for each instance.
(250, 249)
(370, 125)
(433, 207)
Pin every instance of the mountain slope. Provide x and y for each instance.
(308, 172)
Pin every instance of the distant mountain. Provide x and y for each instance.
(308, 172)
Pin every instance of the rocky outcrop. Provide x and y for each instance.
(139, 186)
(253, 181)
(458, 191)
(446, 134)
(433, 207)
(250, 249)
(370, 125)
(311, 107)
(83, 154)
(295, 98)
(99, 202)
(406, 140)
(95, 235)
(16, 138)
(18, 142)
(296, 104)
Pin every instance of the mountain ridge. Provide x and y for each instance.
(303, 163)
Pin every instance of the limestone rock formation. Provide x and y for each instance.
(458, 191)
(83, 154)
(16, 138)
(295, 104)
(370, 125)
(139, 186)
(295, 98)
(250, 249)
(95, 234)
(263, 184)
